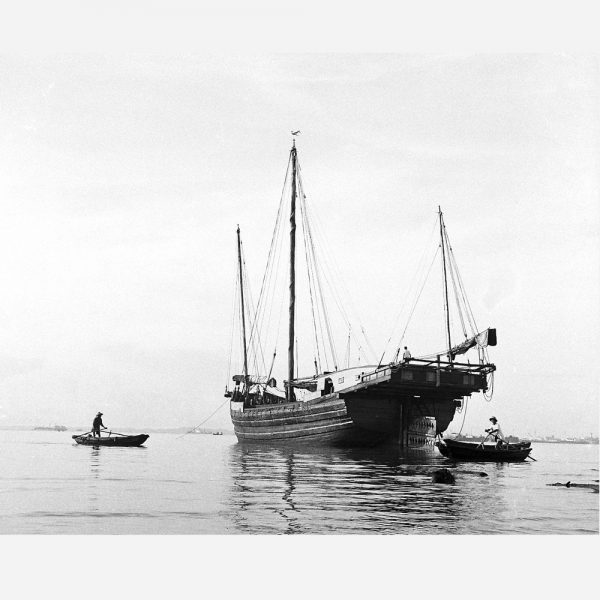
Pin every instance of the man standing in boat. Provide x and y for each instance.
(97, 424)
(496, 432)
(406, 356)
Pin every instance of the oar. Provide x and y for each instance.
(484, 440)
(531, 457)
(80, 434)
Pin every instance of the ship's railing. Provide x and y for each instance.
(449, 366)
(385, 372)
(434, 372)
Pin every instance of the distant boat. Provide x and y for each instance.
(218, 433)
(87, 439)
(484, 452)
(51, 428)
(407, 402)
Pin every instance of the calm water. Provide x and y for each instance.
(205, 484)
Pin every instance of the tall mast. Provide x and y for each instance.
(445, 283)
(243, 311)
(290, 389)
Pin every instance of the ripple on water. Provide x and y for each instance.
(207, 485)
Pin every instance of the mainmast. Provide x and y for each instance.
(243, 311)
(445, 284)
(290, 388)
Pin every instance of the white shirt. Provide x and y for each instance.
(406, 354)
(496, 430)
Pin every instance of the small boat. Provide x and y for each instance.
(484, 452)
(87, 439)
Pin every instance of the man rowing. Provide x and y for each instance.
(496, 432)
(97, 424)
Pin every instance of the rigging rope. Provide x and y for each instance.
(310, 282)
(267, 281)
(207, 418)
(455, 287)
(409, 291)
(464, 411)
(330, 269)
(254, 346)
(454, 265)
(489, 395)
(314, 265)
(469, 311)
(415, 304)
(232, 328)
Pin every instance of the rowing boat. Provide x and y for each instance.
(484, 452)
(109, 440)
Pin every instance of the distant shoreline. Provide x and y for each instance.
(205, 431)
(179, 430)
(590, 441)
(582, 442)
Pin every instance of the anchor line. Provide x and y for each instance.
(207, 418)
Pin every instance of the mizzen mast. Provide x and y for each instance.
(442, 236)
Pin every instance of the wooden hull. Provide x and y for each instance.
(323, 422)
(333, 421)
(119, 441)
(489, 453)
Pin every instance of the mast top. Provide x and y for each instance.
(294, 134)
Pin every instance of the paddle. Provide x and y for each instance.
(104, 428)
(484, 440)
(81, 434)
(109, 433)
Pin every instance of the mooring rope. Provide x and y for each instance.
(207, 418)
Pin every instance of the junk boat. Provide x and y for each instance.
(86, 439)
(480, 452)
(406, 402)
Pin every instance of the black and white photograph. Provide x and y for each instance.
(329, 295)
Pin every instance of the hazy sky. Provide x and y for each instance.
(122, 180)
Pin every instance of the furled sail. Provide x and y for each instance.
(255, 379)
(483, 340)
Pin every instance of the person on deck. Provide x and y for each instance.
(406, 356)
(97, 424)
(496, 432)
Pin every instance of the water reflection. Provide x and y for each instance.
(95, 464)
(383, 490)
(112, 473)
(95, 472)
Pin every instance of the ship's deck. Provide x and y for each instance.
(431, 378)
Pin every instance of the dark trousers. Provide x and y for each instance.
(96, 432)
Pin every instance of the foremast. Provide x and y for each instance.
(243, 311)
